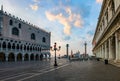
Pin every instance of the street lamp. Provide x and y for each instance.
(55, 49)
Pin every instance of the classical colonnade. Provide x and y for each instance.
(110, 49)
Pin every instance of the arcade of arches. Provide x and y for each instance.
(11, 50)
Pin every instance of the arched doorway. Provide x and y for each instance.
(19, 57)
(41, 57)
(26, 57)
(11, 57)
(37, 57)
(31, 57)
(2, 57)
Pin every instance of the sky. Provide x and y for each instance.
(70, 22)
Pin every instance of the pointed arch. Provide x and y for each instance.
(37, 57)
(26, 57)
(11, 57)
(32, 57)
(2, 56)
(4, 45)
(19, 57)
(9, 45)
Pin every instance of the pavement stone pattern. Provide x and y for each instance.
(90, 70)
(82, 71)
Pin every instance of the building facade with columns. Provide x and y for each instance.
(106, 40)
(22, 41)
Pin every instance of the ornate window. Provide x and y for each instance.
(33, 36)
(15, 31)
(10, 22)
(43, 39)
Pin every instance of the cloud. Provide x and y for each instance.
(67, 18)
(67, 38)
(34, 7)
(99, 1)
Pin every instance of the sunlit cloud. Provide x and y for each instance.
(99, 1)
(34, 7)
(72, 20)
(64, 16)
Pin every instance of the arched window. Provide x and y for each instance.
(33, 36)
(13, 46)
(4, 45)
(9, 46)
(24, 47)
(43, 39)
(17, 46)
(19, 25)
(21, 47)
(15, 31)
(10, 22)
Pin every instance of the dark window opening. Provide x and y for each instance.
(19, 25)
(10, 22)
(43, 39)
(15, 31)
(33, 36)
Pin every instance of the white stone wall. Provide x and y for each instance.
(25, 31)
(102, 24)
(117, 4)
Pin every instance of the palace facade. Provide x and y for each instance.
(22, 41)
(106, 41)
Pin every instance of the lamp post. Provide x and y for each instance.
(55, 49)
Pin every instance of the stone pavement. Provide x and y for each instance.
(81, 71)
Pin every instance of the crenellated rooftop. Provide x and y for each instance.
(23, 21)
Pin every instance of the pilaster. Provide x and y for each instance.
(117, 47)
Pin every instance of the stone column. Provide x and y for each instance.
(99, 52)
(67, 50)
(105, 51)
(38, 56)
(102, 51)
(29, 57)
(107, 43)
(110, 50)
(15, 57)
(22, 57)
(116, 44)
(6, 57)
(6, 46)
